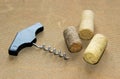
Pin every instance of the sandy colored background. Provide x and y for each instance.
(56, 15)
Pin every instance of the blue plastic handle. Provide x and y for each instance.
(25, 38)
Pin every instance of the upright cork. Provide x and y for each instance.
(86, 29)
(95, 49)
(72, 39)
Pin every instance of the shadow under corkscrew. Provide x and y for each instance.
(50, 50)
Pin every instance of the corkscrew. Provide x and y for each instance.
(52, 50)
(27, 38)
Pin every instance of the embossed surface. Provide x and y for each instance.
(56, 16)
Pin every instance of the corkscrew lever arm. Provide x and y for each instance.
(25, 38)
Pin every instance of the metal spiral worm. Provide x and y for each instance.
(50, 50)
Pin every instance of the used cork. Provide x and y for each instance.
(86, 28)
(72, 39)
(95, 49)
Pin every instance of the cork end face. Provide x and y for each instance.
(88, 12)
(90, 58)
(86, 34)
(102, 37)
(75, 47)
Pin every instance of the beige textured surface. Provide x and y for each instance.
(56, 15)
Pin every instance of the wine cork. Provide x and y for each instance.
(86, 29)
(95, 49)
(72, 39)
